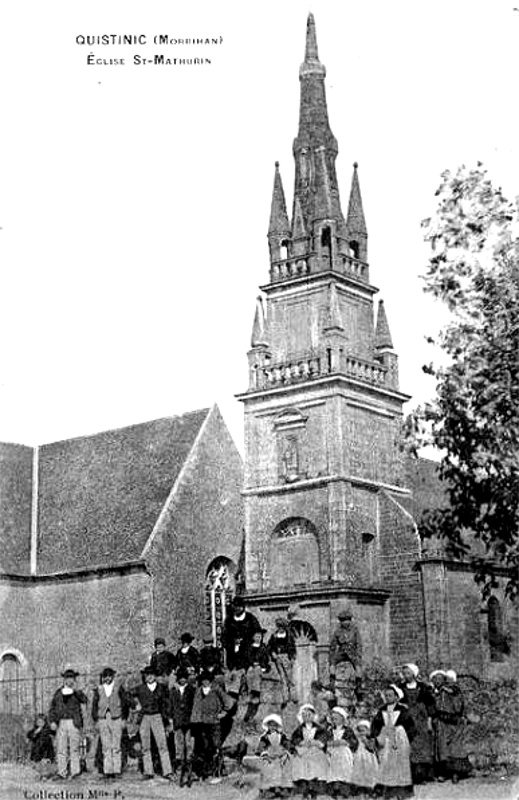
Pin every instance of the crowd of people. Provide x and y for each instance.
(176, 721)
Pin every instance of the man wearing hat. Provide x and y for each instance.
(66, 717)
(154, 709)
(162, 661)
(181, 704)
(345, 652)
(110, 708)
(187, 657)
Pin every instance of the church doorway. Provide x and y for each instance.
(305, 666)
(220, 586)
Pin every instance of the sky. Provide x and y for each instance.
(135, 199)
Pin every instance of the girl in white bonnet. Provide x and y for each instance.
(274, 750)
(341, 746)
(364, 774)
(309, 762)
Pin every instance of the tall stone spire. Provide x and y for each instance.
(355, 222)
(315, 147)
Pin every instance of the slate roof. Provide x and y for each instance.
(427, 489)
(428, 492)
(100, 496)
(15, 507)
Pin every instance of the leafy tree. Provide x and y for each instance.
(474, 420)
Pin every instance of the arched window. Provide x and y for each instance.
(283, 249)
(354, 249)
(326, 243)
(10, 684)
(497, 639)
(294, 554)
(219, 590)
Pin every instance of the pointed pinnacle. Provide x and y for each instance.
(258, 338)
(279, 222)
(382, 332)
(311, 53)
(355, 221)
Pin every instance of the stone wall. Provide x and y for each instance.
(88, 620)
(399, 550)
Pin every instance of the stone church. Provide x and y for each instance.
(110, 540)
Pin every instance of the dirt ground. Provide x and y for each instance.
(22, 783)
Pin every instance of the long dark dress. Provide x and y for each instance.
(394, 729)
(421, 705)
(449, 733)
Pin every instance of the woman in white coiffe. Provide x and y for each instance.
(393, 728)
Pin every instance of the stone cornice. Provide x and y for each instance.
(316, 592)
(296, 388)
(97, 571)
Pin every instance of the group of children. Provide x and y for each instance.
(417, 735)
(334, 759)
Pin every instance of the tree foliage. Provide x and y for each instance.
(474, 420)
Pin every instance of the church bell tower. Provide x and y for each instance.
(323, 407)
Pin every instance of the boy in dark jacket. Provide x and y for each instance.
(181, 705)
(162, 661)
(152, 699)
(66, 717)
(110, 707)
(211, 657)
(282, 650)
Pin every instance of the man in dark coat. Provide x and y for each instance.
(187, 657)
(66, 717)
(345, 656)
(181, 705)
(238, 631)
(210, 706)
(152, 700)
